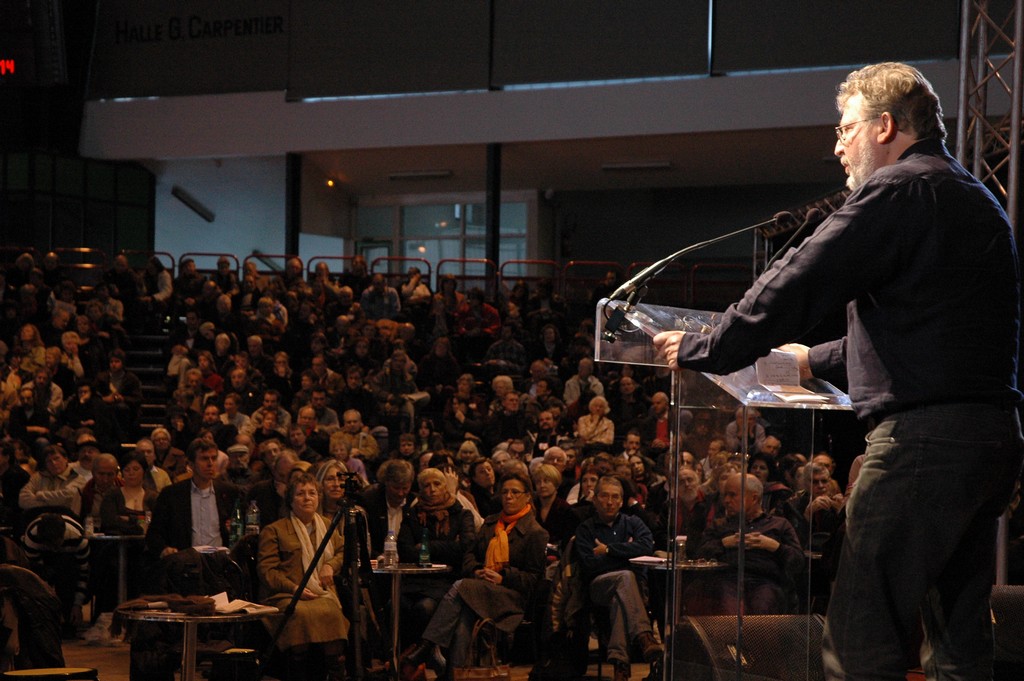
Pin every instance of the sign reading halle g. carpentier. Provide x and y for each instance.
(195, 27)
(156, 48)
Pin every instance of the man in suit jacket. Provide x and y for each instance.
(385, 502)
(193, 512)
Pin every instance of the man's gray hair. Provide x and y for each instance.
(395, 472)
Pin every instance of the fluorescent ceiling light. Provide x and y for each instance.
(636, 165)
(420, 175)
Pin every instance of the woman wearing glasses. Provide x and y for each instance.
(498, 578)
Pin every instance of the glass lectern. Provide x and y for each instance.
(785, 644)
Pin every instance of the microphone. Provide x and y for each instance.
(826, 204)
(782, 221)
(635, 288)
(813, 216)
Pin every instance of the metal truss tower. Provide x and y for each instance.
(989, 145)
(990, 78)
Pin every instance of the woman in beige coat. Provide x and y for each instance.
(286, 549)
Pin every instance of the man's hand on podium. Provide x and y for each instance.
(801, 359)
(667, 345)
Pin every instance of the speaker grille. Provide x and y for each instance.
(1008, 622)
(775, 648)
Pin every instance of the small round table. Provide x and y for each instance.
(679, 566)
(52, 674)
(121, 541)
(190, 624)
(396, 597)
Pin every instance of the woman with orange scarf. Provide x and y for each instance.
(498, 579)
(450, 534)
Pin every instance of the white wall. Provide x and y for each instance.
(264, 123)
(246, 195)
(325, 211)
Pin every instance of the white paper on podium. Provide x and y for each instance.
(779, 372)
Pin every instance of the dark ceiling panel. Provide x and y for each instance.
(557, 41)
(368, 47)
(783, 34)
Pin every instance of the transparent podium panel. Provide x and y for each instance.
(742, 571)
(633, 345)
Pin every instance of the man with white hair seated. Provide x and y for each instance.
(557, 457)
(583, 383)
(772, 557)
(500, 386)
(499, 458)
(745, 427)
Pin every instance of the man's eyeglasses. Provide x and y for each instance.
(841, 130)
(514, 493)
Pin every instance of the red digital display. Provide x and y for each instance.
(31, 43)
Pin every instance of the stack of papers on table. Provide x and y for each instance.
(225, 606)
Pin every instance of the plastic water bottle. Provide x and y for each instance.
(390, 550)
(425, 548)
(252, 519)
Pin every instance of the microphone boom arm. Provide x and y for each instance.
(635, 287)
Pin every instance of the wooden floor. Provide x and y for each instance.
(112, 662)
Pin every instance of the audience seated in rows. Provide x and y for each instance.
(270, 376)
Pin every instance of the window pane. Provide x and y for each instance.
(512, 249)
(432, 250)
(508, 249)
(513, 218)
(67, 221)
(134, 185)
(373, 250)
(43, 219)
(20, 213)
(430, 221)
(475, 248)
(134, 231)
(100, 179)
(375, 221)
(70, 176)
(17, 172)
(476, 219)
(43, 172)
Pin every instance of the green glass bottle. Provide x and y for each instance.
(424, 559)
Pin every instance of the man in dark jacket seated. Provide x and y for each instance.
(604, 544)
(174, 527)
(772, 557)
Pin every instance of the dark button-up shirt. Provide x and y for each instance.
(924, 257)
